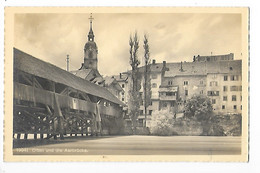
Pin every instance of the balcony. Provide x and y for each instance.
(168, 89)
(167, 97)
(168, 93)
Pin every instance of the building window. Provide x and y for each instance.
(172, 104)
(140, 122)
(141, 112)
(213, 93)
(234, 78)
(240, 88)
(186, 83)
(186, 92)
(165, 105)
(241, 107)
(201, 92)
(225, 78)
(213, 83)
(224, 98)
(240, 98)
(154, 85)
(123, 85)
(213, 101)
(169, 82)
(225, 88)
(214, 76)
(141, 94)
(123, 99)
(233, 88)
(223, 107)
(235, 106)
(154, 76)
(234, 98)
(170, 94)
(150, 112)
(123, 93)
(201, 82)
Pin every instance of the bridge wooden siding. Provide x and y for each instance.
(43, 106)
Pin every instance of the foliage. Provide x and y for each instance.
(142, 131)
(162, 123)
(231, 124)
(135, 82)
(187, 127)
(199, 107)
(147, 78)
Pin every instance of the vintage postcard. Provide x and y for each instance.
(126, 84)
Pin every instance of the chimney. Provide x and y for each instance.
(120, 74)
(181, 67)
(232, 56)
(68, 62)
(194, 58)
(154, 61)
(164, 64)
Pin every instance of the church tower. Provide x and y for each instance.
(90, 50)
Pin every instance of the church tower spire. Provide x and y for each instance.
(91, 34)
(90, 49)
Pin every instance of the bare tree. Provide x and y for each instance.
(135, 86)
(147, 78)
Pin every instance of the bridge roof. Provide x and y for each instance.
(37, 67)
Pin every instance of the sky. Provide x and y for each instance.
(173, 37)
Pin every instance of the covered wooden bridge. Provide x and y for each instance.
(51, 102)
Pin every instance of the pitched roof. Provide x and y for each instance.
(157, 67)
(112, 81)
(188, 68)
(83, 73)
(109, 80)
(228, 67)
(203, 68)
(37, 67)
(123, 77)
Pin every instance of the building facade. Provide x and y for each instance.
(172, 84)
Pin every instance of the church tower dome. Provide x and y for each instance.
(90, 50)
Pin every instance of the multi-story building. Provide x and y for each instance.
(219, 80)
(113, 86)
(213, 58)
(185, 79)
(122, 80)
(217, 77)
(224, 86)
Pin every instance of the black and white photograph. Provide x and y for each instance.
(148, 84)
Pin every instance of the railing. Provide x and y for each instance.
(36, 95)
(165, 98)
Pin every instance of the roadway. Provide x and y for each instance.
(131, 145)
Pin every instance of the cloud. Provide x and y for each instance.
(172, 37)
